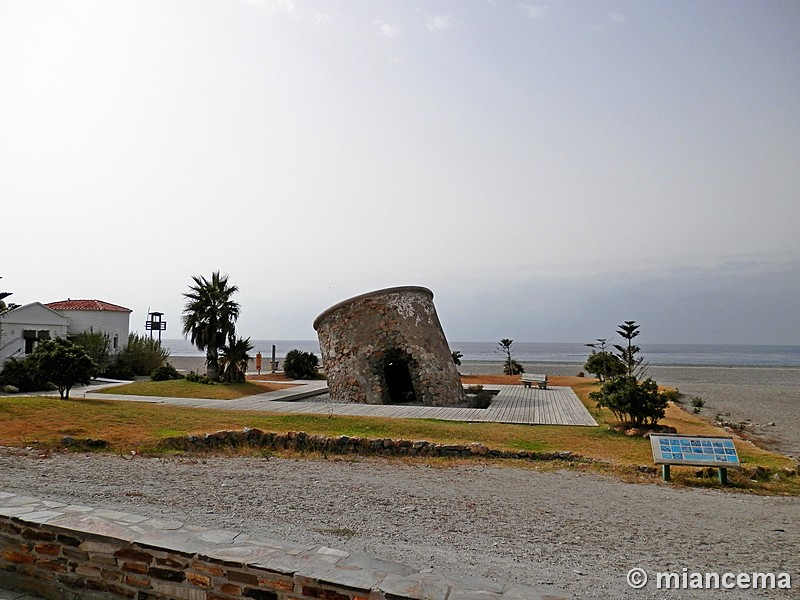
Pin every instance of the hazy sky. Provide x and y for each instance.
(547, 169)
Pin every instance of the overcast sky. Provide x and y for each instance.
(547, 169)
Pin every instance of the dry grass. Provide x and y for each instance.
(139, 426)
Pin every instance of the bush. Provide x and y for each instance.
(165, 373)
(20, 374)
(97, 345)
(300, 365)
(697, 403)
(629, 400)
(474, 389)
(119, 370)
(480, 400)
(141, 356)
(195, 378)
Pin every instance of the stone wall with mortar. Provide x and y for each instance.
(359, 335)
(73, 552)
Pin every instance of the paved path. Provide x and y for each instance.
(514, 404)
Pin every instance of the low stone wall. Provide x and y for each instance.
(303, 442)
(71, 552)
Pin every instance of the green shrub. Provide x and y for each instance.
(632, 401)
(19, 372)
(195, 378)
(697, 403)
(97, 345)
(141, 356)
(474, 389)
(165, 373)
(604, 365)
(512, 367)
(300, 365)
(62, 363)
(118, 370)
(480, 400)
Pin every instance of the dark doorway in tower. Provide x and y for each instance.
(397, 373)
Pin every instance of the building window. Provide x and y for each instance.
(116, 342)
(29, 335)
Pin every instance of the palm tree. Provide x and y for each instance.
(234, 360)
(209, 317)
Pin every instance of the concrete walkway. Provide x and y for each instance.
(513, 404)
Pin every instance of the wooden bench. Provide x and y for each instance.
(528, 379)
(694, 450)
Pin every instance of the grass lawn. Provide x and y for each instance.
(130, 426)
(181, 388)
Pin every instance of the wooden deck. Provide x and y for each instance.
(514, 404)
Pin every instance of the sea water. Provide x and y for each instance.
(562, 353)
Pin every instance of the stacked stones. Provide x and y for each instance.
(300, 441)
(361, 336)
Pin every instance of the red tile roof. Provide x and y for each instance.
(86, 305)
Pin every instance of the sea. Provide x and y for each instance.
(716, 355)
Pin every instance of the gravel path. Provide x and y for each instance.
(577, 531)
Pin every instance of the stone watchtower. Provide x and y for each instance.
(388, 346)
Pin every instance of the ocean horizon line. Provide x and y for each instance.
(567, 353)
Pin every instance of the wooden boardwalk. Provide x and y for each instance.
(514, 404)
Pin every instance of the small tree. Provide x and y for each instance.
(234, 360)
(627, 354)
(510, 366)
(604, 365)
(632, 401)
(628, 398)
(63, 363)
(457, 356)
(300, 365)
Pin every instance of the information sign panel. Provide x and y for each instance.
(694, 450)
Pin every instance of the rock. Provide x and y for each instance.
(478, 448)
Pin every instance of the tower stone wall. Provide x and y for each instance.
(388, 346)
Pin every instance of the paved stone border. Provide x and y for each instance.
(73, 552)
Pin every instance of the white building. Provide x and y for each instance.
(97, 316)
(21, 328)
